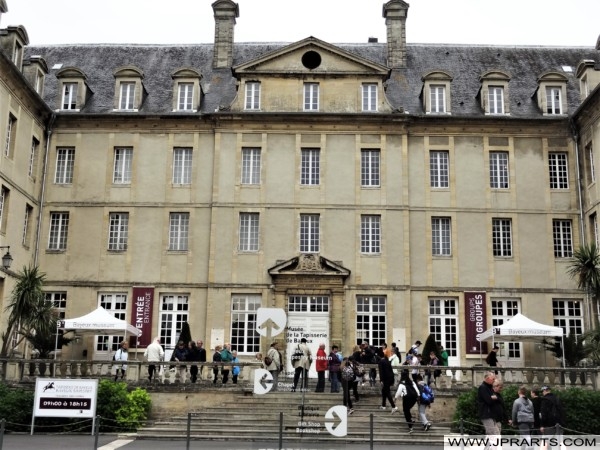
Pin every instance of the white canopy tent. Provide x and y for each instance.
(98, 321)
(520, 328)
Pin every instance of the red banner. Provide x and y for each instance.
(475, 322)
(141, 313)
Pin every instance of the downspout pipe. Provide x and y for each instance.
(43, 191)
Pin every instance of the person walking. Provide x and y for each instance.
(154, 353)
(321, 365)
(347, 375)
(426, 397)
(301, 364)
(444, 356)
(395, 362)
(386, 378)
(276, 364)
(120, 357)
(552, 416)
(536, 399)
(487, 401)
(522, 416)
(492, 358)
(409, 393)
(434, 372)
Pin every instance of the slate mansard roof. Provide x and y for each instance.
(464, 63)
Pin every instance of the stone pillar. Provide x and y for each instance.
(225, 12)
(395, 13)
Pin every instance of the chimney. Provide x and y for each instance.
(373, 40)
(225, 12)
(395, 12)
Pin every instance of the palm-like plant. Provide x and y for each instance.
(28, 311)
(585, 269)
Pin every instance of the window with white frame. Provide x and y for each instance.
(59, 302)
(27, 224)
(502, 237)
(118, 231)
(182, 165)
(371, 325)
(174, 312)
(441, 236)
(122, 165)
(370, 166)
(310, 166)
(244, 337)
(443, 323)
(309, 233)
(127, 95)
(499, 170)
(437, 98)
(369, 97)
(308, 303)
(69, 98)
(59, 230)
(185, 96)
(114, 303)
(370, 234)
(251, 160)
(3, 208)
(179, 227)
(563, 238)
(496, 99)
(35, 144)
(559, 171)
(502, 312)
(65, 161)
(311, 96)
(439, 169)
(568, 314)
(553, 100)
(589, 164)
(252, 95)
(11, 133)
(249, 223)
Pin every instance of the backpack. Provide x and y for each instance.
(348, 373)
(297, 355)
(427, 396)
(359, 370)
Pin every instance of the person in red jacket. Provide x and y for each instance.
(321, 366)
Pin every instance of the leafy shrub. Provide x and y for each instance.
(134, 412)
(16, 407)
(576, 402)
(120, 409)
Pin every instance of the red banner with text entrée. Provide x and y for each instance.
(141, 313)
(475, 322)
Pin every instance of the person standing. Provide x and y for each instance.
(154, 353)
(202, 358)
(302, 365)
(415, 363)
(276, 363)
(537, 405)
(492, 358)
(193, 356)
(179, 355)
(552, 417)
(216, 359)
(333, 364)
(347, 375)
(235, 370)
(522, 416)
(121, 357)
(321, 366)
(498, 409)
(226, 356)
(386, 378)
(409, 393)
(425, 400)
(414, 349)
(444, 356)
(395, 363)
(487, 401)
(433, 375)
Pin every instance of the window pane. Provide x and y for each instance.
(559, 174)
(251, 160)
(309, 233)
(370, 234)
(248, 232)
(499, 170)
(118, 231)
(440, 236)
(182, 165)
(502, 237)
(310, 166)
(438, 169)
(370, 168)
(179, 224)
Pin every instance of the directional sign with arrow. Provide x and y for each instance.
(263, 381)
(337, 412)
(270, 321)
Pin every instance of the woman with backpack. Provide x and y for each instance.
(347, 371)
(409, 392)
(425, 401)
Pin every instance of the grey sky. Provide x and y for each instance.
(498, 22)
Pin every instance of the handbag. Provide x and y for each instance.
(298, 354)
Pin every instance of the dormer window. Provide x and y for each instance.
(252, 95)
(129, 89)
(494, 93)
(552, 94)
(436, 93)
(187, 92)
(73, 88)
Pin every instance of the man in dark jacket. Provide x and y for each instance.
(487, 403)
(551, 413)
(536, 399)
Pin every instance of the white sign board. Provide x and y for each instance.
(55, 397)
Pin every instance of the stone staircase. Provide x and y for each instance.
(258, 418)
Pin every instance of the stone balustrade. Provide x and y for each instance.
(452, 378)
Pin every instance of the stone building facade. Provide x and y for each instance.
(376, 191)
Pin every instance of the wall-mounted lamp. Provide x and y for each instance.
(7, 259)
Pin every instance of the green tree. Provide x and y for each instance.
(430, 346)
(28, 312)
(574, 350)
(186, 334)
(585, 269)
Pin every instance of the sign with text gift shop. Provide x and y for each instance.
(475, 319)
(141, 314)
